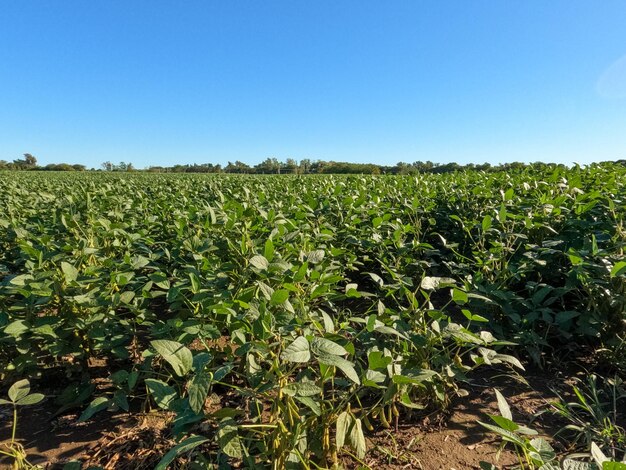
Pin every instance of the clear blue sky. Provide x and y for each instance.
(156, 82)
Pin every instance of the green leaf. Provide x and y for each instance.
(138, 262)
(377, 279)
(301, 273)
(32, 399)
(160, 279)
(259, 262)
(228, 438)
(405, 399)
(45, 330)
(69, 271)
(321, 345)
(371, 322)
(459, 296)
(416, 377)
(119, 377)
(343, 425)
(98, 404)
(172, 294)
(182, 447)
(564, 316)
(613, 466)
(200, 360)
(198, 391)
(387, 330)
(279, 296)
(506, 435)
(329, 326)
(344, 365)
(315, 256)
(574, 257)
(127, 297)
(486, 224)
(21, 279)
(132, 379)
(19, 390)
(508, 359)
(618, 269)
(162, 393)
(311, 403)
(503, 406)
(120, 399)
(16, 328)
(502, 214)
(298, 351)
(302, 389)
(472, 317)
(177, 355)
(195, 282)
(526, 430)
(269, 249)
(543, 451)
(378, 360)
(266, 290)
(505, 423)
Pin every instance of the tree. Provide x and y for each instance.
(291, 166)
(305, 165)
(30, 160)
(269, 165)
(402, 168)
(237, 167)
(27, 163)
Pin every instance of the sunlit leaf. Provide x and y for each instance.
(177, 355)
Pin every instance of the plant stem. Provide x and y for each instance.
(14, 424)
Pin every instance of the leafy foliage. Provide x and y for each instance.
(322, 306)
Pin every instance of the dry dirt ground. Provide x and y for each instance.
(451, 440)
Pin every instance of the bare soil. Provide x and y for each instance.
(445, 440)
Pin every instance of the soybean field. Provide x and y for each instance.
(289, 321)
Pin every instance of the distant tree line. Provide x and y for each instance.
(29, 162)
(289, 166)
(307, 166)
(121, 166)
